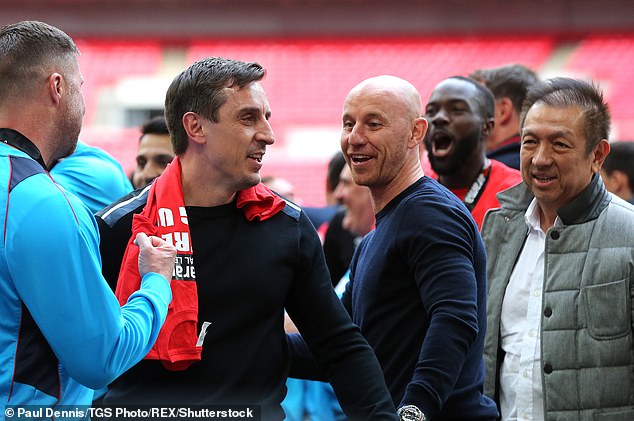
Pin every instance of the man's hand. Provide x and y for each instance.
(155, 255)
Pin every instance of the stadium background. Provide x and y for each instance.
(316, 50)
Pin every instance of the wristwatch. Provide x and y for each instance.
(410, 413)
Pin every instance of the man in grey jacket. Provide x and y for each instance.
(559, 341)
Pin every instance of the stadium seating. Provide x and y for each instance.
(104, 62)
(608, 60)
(307, 80)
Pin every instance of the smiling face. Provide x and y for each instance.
(235, 145)
(382, 129)
(554, 162)
(455, 140)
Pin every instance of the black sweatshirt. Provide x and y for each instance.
(247, 274)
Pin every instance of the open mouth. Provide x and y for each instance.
(359, 158)
(257, 157)
(441, 144)
(543, 179)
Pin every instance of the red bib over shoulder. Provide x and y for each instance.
(164, 215)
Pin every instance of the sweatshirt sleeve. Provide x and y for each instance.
(303, 365)
(52, 247)
(440, 251)
(335, 342)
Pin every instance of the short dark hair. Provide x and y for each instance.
(200, 89)
(510, 81)
(335, 166)
(485, 96)
(566, 92)
(621, 158)
(155, 125)
(26, 49)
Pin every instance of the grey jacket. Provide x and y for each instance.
(587, 321)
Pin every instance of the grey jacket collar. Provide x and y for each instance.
(585, 207)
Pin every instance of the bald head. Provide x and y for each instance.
(402, 91)
(382, 131)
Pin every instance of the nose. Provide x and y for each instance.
(542, 157)
(440, 118)
(150, 172)
(356, 136)
(266, 134)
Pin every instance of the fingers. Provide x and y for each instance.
(155, 255)
(142, 240)
(157, 241)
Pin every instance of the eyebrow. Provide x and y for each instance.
(461, 100)
(553, 135)
(248, 110)
(450, 101)
(374, 115)
(369, 116)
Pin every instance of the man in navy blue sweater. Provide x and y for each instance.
(418, 282)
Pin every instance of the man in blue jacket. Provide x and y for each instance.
(62, 331)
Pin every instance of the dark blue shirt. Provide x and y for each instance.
(418, 294)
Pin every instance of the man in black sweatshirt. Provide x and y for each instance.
(247, 271)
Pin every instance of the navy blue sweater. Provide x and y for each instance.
(418, 293)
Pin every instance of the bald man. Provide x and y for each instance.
(417, 282)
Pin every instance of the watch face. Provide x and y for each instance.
(411, 413)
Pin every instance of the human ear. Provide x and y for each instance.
(193, 125)
(504, 110)
(55, 88)
(600, 152)
(418, 132)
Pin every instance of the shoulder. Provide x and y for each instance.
(431, 197)
(36, 201)
(320, 215)
(28, 179)
(89, 157)
(292, 210)
(502, 168)
(613, 229)
(514, 201)
(621, 212)
(503, 175)
(432, 208)
(32, 195)
(90, 169)
(515, 198)
(92, 152)
(129, 204)
(22, 168)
